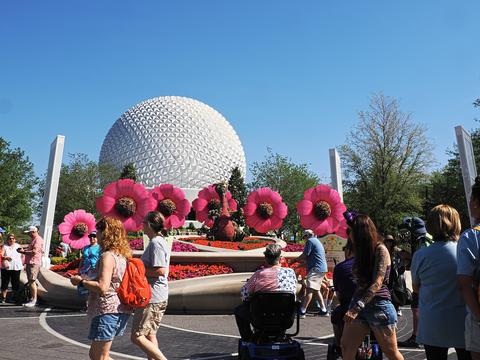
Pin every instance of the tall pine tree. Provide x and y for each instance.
(238, 189)
(129, 172)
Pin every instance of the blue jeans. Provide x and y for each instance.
(378, 313)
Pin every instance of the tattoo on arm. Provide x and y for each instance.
(382, 261)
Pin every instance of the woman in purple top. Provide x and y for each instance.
(344, 285)
(371, 307)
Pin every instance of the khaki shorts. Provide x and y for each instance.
(32, 272)
(147, 320)
(472, 334)
(314, 279)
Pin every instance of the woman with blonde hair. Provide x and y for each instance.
(441, 307)
(108, 315)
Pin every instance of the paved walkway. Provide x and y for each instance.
(42, 333)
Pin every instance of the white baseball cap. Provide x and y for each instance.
(308, 232)
(31, 229)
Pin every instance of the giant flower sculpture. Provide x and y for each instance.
(172, 204)
(264, 210)
(208, 201)
(321, 210)
(75, 228)
(342, 229)
(127, 201)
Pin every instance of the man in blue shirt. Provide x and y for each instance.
(314, 255)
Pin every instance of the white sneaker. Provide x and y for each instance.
(399, 313)
(31, 303)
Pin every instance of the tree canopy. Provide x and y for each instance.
(445, 186)
(18, 181)
(81, 182)
(238, 189)
(385, 161)
(289, 179)
(129, 172)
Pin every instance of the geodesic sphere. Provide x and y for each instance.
(174, 140)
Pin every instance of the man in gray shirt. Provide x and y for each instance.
(156, 258)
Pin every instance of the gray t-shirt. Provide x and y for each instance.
(157, 254)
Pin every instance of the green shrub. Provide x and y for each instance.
(55, 260)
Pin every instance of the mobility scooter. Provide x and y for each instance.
(272, 314)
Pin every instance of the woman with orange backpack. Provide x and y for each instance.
(108, 314)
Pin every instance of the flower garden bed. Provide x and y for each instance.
(136, 243)
(293, 248)
(176, 272)
(249, 243)
(182, 247)
(188, 271)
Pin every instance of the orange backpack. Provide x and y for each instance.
(134, 289)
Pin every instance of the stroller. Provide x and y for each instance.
(272, 313)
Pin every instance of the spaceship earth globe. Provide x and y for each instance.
(174, 140)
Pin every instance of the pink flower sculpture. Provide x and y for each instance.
(75, 228)
(208, 200)
(264, 210)
(321, 210)
(127, 201)
(342, 229)
(172, 204)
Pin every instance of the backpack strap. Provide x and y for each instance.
(115, 271)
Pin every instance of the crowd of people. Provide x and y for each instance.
(13, 257)
(370, 285)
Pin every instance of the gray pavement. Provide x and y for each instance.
(45, 334)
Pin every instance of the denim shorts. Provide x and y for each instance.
(379, 313)
(105, 327)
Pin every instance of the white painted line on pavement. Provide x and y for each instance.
(43, 323)
(199, 332)
(211, 357)
(19, 318)
(65, 315)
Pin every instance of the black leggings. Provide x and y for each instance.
(441, 353)
(14, 276)
(242, 316)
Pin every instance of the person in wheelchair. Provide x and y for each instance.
(344, 285)
(271, 278)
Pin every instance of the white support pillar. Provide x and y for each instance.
(467, 163)
(50, 196)
(336, 171)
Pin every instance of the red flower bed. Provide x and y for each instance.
(136, 243)
(188, 271)
(72, 265)
(244, 245)
(176, 272)
(293, 248)
(181, 247)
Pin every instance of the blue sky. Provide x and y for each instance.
(287, 75)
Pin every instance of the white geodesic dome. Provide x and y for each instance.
(174, 140)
